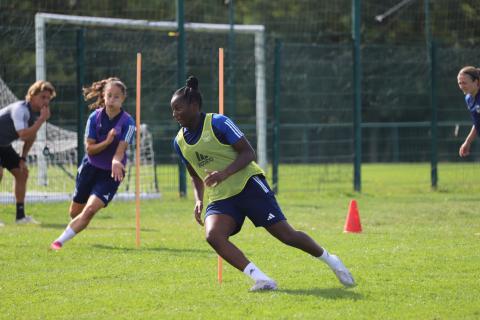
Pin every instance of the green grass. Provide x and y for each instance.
(417, 258)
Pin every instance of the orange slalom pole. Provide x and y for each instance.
(220, 111)
(137, 149)
(220, 81)
(219, 269)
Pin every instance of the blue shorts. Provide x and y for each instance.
(92, 180)
(256, 201)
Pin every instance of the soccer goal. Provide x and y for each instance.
(258, 31)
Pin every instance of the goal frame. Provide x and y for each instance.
(258, 31)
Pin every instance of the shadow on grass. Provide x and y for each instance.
(327, 293)
(157, 249)
(64, 225)
(53, 225)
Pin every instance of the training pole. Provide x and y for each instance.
(137, 149)
(220, 111)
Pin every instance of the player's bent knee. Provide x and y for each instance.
(89, 213)
(210, 239)
(74, 213)
(213, 238)
(76, 208)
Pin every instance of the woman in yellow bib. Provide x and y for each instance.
(221, 162)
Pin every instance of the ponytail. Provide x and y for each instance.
(96, 91)
(190, 92)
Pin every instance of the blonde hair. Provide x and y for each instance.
(472, 72)
(97, 88)
(40, 86)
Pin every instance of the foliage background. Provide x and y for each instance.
(316, 71)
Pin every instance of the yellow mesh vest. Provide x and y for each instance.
(209, 154)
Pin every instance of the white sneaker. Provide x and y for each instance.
(342, 273)
(27, 220)
(261, 285)
(2, 224)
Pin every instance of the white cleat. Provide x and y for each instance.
(342, 273)
(263, 285)
(2, 224)
(27, 220)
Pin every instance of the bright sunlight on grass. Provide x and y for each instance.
(417, 258)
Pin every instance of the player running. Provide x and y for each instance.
(108, 133)
(221, 161)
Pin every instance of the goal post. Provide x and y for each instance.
(258, 31)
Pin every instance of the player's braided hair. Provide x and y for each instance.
(190, 92)
(97, 88)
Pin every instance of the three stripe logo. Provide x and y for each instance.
(200, 156)
(203, 159)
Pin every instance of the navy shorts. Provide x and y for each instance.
(256, 201)
(9, 158)
(92, 180)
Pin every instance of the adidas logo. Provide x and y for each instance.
(270, 216)
(106, 195)
(203, 159)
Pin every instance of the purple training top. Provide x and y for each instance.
(98, 126)
(473, 105)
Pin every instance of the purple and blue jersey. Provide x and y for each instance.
(98, 126)
(94, 173)
(225, 130)
(473, 105)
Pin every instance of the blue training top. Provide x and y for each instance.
(98, 126)
(473, 105)
(225, 130)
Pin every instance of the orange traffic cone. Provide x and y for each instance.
(352, 224)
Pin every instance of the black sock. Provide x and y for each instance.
(20, 211)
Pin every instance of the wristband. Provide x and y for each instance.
(23, 158)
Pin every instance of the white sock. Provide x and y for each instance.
(253, 272)
(325, 257)
(66, 235)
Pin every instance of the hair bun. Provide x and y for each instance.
(192, 82)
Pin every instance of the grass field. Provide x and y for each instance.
(417, 258)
